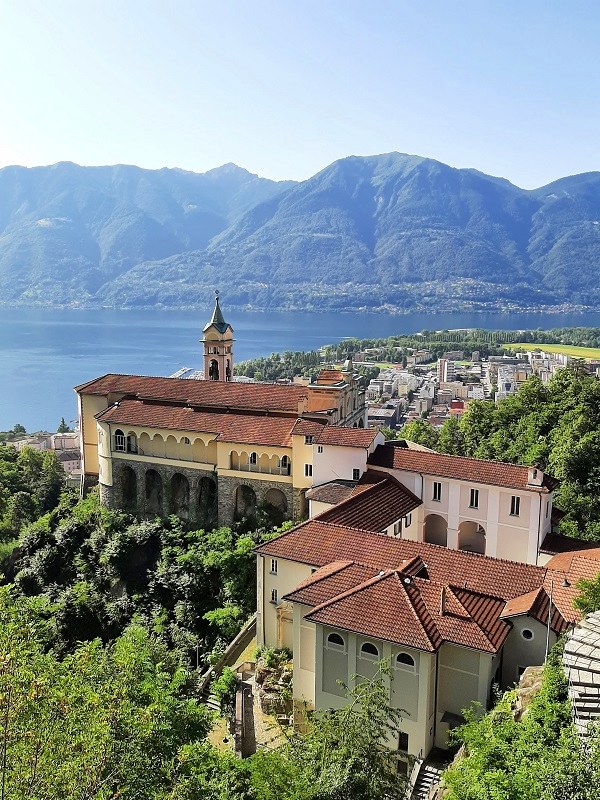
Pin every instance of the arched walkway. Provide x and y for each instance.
(435, 530)
(471, 537)
(207, 503)
(154, 493)
(180, 496)
(245, 502)
(129, 489)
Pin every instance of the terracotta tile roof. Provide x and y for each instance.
(329, 376)
(332, 492)
(411, 612)
(536, 604)
(495, 473)
(382, 607)
(319, 543)
(308, 427)
(330, 581)
(275, 397)
(562, 562)
(240, 428)
(376, 508)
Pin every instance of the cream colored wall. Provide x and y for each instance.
(89, 406)
(315, 507)
(512, 544)
(302, 454)
(289, 575)
(304, 656)
(337, 463)
(520, 652)
(464, 676)
(409, 691)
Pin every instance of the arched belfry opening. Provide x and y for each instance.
(218, 341)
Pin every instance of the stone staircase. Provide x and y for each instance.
(428, 777)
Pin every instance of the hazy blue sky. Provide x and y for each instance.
(510, 87)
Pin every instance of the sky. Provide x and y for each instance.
(509, 87)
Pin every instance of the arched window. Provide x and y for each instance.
(253, 458)
(404, 661)
(186, 440)
(284, 465)
(131, 443)
(335, 640)
(120, 441)
(368, 649)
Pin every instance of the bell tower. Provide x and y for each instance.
(218, 346)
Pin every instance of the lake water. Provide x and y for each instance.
(45, 352)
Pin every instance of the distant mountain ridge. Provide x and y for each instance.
(392, 231)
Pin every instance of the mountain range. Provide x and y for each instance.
(394, 232)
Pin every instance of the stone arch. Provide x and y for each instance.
(154, 493)
(128, 483)
(145, 444)
(180, 496)
(213, 370)
(245, 501)
(276, 505)
(435, 530)
(471, 537)
(158, 446)
(172, 447)
(131, 442)
(207, 503)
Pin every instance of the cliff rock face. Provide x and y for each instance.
(392, 231)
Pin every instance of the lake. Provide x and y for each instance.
(45, 352)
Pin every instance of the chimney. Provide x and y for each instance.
(535, 476)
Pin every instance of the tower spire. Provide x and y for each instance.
(218, 346)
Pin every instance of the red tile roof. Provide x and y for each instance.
(347, 437)
(241, 428)
(319, 543)
(330, 581)
(275, 397)
(475, 470)
(308, 427)
(376, 508)
(332, 492)
(536, 604)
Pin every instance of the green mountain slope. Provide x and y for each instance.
(379, 231)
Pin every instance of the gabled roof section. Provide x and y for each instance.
(384, 502)
(475, 470)
(382, 607)
(308, 427)
(330, 581)
(245, 429)
(332, 492)
(220, 395)
(536, 604)
(318, 542)
(347, 437)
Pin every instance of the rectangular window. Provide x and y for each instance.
(474, 499)
(408, 520)
(437, 491)
(273, 595)
(355, 474)
(309, 439)
(403, 742)
(320, 448)
(308, 470)
(273, 566)
(515, 506)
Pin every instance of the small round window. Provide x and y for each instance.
(527, 634)
(369, 649)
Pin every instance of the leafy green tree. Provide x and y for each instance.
(63, 427)
(588, 599)
(451, 439)
(342, 756)
(420, 432)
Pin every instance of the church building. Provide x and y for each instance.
(211, 450)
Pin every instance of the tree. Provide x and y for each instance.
(588, 599)
(344, 755)
(420, 432)
(104, 722)
(451, 440)
(63, 427)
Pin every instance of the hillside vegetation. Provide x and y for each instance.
(392, 231)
